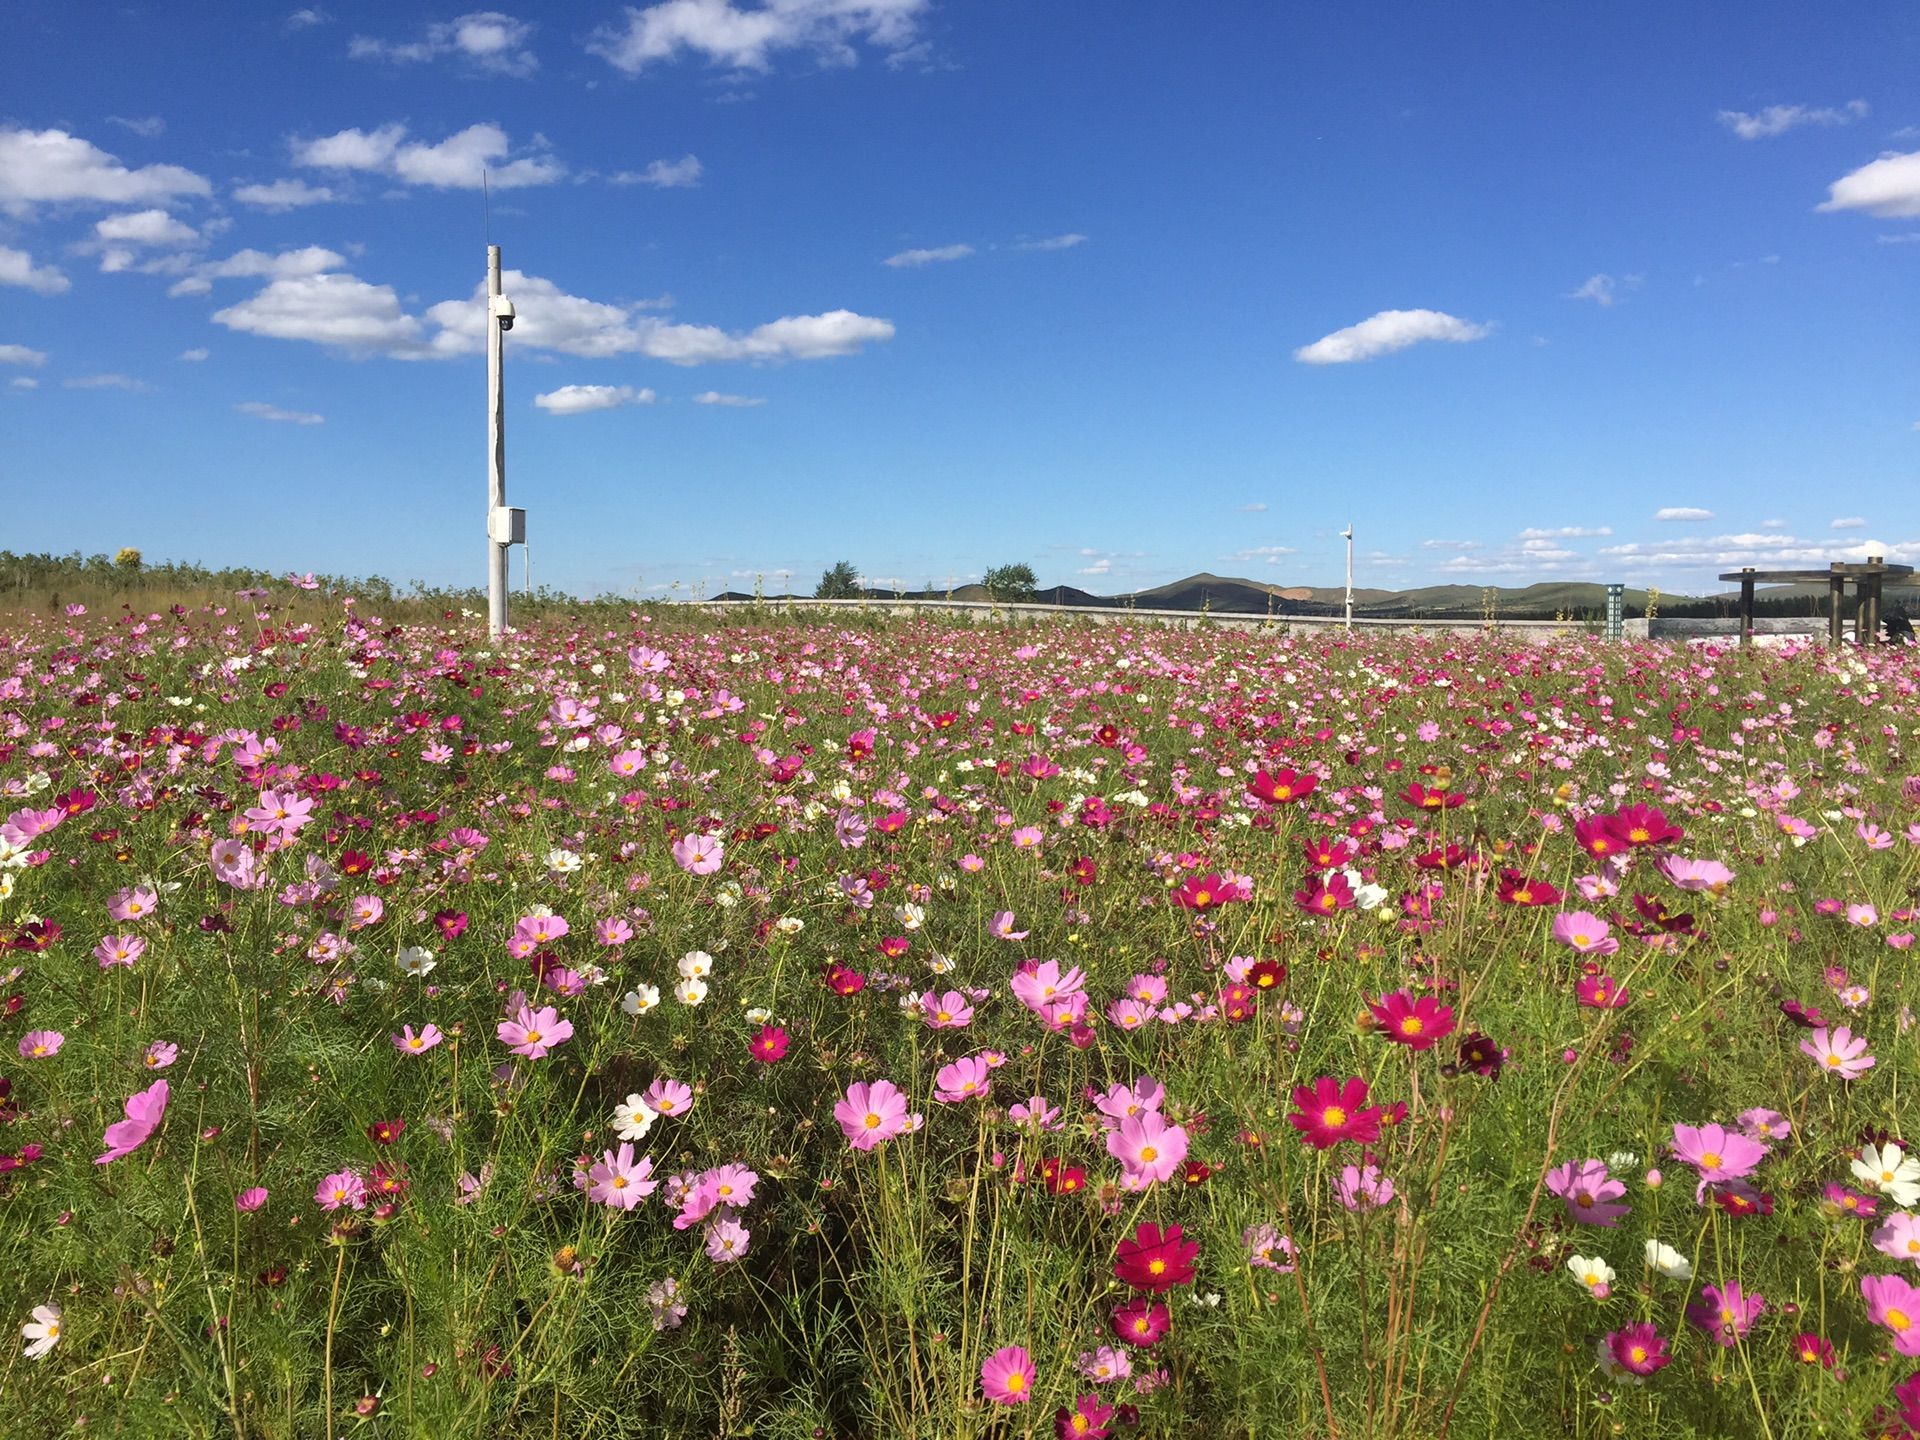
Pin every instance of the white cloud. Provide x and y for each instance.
(195, 355)
(1449, 544)
(146, 227)
(106, 382)
(283, 195)
(21, 355)
(1566, 532)
(681, 174)
(486, 40)
(737, 402)
(1888, 187)
(24, 382)
(303, 19)
(148, 126)
(1726, 551)
(1255, 508)
(260, 410)
(456, 163)
(579, 399)
(1779, 119)
(1847, 522)
(17, 268)
(339, 311)
(1272, 554)
(909, 258)
(52, 167)
(1604, 290)
(1052, 242)
(1908, 237)
(748, 38)
(1386, 332)
(1682, 512)
(257, 264)
(1102, 566)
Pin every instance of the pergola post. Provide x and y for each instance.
(1868, 589)
(1746, 606)
(1836, 596)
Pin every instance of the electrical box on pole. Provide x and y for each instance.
(505, 527)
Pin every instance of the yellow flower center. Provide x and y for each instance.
(1709, 1161)
(1148, 1154)
(1156, 1267)
(1412, 1025)
(1899, 1321)
(1333, 1115)
(619, 1182)
(872, 1121)
(533, 1037)
(1638, 1354)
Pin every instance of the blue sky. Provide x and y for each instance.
(1124, 291)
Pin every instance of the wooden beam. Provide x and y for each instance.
(1746, 606)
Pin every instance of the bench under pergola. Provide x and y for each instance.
(1867, 577)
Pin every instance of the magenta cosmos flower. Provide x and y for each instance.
(1147, 1147)
(1331, 1110)
(1417, 1024)
(1589, 934)
(145, 1111)
(1726, 1312)
(1636, 1350)
(871, 1112)
(1839, 1052)
(1588, 1192)
(343, 1188)
(250, 1199)
(41, 1044)
(1007, 1376)
(533, 1033)
(1894, 1303)
(1716, 1152)
(409, 1043)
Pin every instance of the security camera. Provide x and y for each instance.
(502, 309)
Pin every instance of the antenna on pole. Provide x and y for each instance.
(505, 527)
(486, 205)
(1347, 535)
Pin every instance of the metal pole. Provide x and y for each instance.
(496, 455)
(1348, 535)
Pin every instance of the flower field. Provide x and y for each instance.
(655, 1026)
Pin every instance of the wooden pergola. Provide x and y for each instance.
(1867, 578)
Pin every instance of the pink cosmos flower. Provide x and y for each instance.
(343, 1188)
(964, 1079)
(1036, 1112)
(535, 932)
(1764, 1125)
(1039, 983)
(533, 1033)
(1600, 992)
(1007, 1376)
(699, 854)
(41, 1044)
(1588, 934)
(1362, 1188)
(412, 1044)
(727, 1239)
(1120, 1102)
(1695, 874)
(1899, 1237)
(1838, 1052)
(946, 1011)
(1148, 1148)
(1894, 1303)
(136, 902)
(250, 1199)
(25, 825)
(667, 1096)
(119, 950)
(1001, 926)
(613, 931)
(871, 1112)
(618, 1180)
(1717, 1153)
(1725, 1312)
(145, 1110)
(160, 1054)
(1588, 1192)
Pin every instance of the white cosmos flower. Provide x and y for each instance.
(759, 1015)
(695, 964)
(1668, 1261)
(939, 964)
(1593, 1273)
(912, 917)
(42, 1332)
(640, 999)
(562, 862)
(789, 924)
(690, 991)
(415, 960)
(1891, 1171)
(633, 1117)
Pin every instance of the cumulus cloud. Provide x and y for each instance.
(907, 259)
(456, 163)
(1779, 119)
(1604, 290)
(195, 355)
(24, 382)
(748, 37)
(342, 312)
(106, 382)
(1847, 522)
(737, 402)
(260, 410)
(17, 268)
(1727, 551)
(306, 19)
(1449, 544)
(681, 174)
(1052, 242)
(257, 264)
(1888, 187)
(278, 195)
(146, 227)
(1272, 554)
(21, 355)
(1682, 512)
(579, 399)
(1386, 332)
(1565, 532)
(1255, 508)
(51, 167)
(486, 40)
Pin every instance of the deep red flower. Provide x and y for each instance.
(1517, 889)
(451, 923)
(1283, 787)
(1326, 896)
(1266, 974)
(1410, 1022)
(1196, 1174)
(1482, 1056)
(1087, 1420)
(385, 1132)
(1202, 893)
(1438, 798)
(1330, 853)
(1155, 1260)
(1141, 1322)
(844, 981)
(1330, 1110)
(894, 946)
(1600, 992)
(1239, 1002)
(1639, 826)
(1061, 1178)
(1595, 836)
(769, 1045)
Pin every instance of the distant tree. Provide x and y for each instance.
(1011, 582)
(128, 558)
(839, 582)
